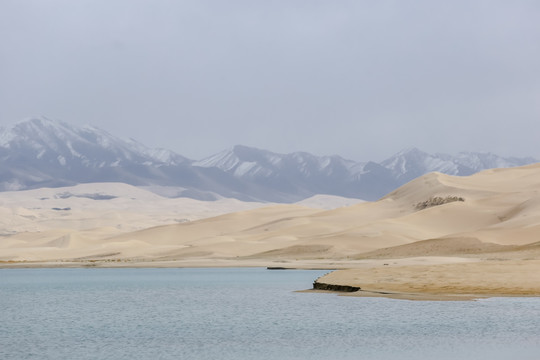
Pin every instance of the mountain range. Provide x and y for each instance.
(40, 152)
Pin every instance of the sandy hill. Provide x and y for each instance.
(491, 211)
(92, 205)
(36, 224)
(82, 221)
(434, 215)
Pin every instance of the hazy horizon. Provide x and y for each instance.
(357, 79)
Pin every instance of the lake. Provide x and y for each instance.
(248, 313)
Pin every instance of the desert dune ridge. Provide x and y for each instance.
(494, 224)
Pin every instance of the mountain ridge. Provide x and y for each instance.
(42, 152)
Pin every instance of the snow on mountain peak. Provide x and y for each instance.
(6, 137)
(225, 160)
(38, 137)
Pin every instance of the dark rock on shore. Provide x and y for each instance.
(333, 287)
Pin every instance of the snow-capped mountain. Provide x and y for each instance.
(44, 152)
(411, 163)
(301, 173)
(41, 152)
(244, 161)
(56, 141)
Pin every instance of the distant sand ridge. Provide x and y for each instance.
(480, 235)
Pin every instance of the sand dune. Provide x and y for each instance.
(490, 216)
(38, 225)
(96, 205)
(45, 223)
(328, 202)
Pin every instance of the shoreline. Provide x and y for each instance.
(421, 279)
(273, 264)
(416, 296)
(149, 264)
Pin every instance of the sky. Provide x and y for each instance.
(363, 79)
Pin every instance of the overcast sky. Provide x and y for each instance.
(362, 79)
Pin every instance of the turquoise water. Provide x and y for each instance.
(243, 314)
